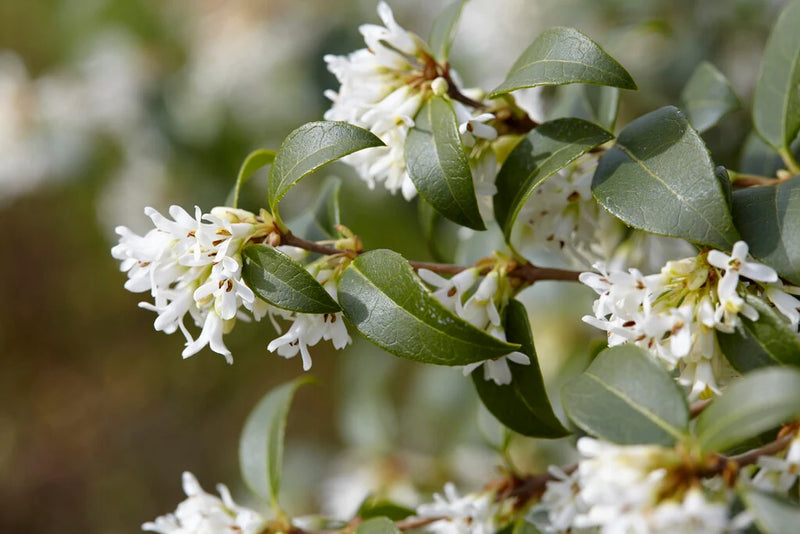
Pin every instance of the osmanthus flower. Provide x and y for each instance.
(636, 488)
(192, 265)
(561, 219)
(480, 309)
(474, 513)
(676, 314)
(382, 88)
(309, 328)
(779, 473)
(203, 512)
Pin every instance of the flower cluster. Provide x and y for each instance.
(193, 265)
(779, 474)
(480, 310)
(204, 512)
(382, 88)
(470, 514)
(563, 220)
(631, 489)
(676, 314)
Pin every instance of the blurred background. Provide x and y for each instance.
(107, 106)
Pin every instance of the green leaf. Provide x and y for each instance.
(774, 514)
(768, 218)
(564, 55)
(444, 30)
(437, 164)
(603, 102)
(659, 177)
(310, 147)
(522, 405)
(388, 304)
(758, 157)
(327, 213)
(372, 507)
(707, 97)
(441, 235)
(759, 401)
(261, 442)
(254, 161)
(543, 152)
(627, 398)
(776, 101)
(378, 525)
(768, 341)
(281, 281)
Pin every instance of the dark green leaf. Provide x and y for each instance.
(326, 214)
(659, 177)
(388, 304)
(254, 161)
(776, 101)
(768, 341)
(773, 514)
(437, 164)
(261, 443)
(769, 218)
(564, 55)
(627, 398)
(279, 280)
(378, 525)
(725, 183)
(545, 150)
(759, 401)
(310, 147)
(523, 405)
(444, 30)
(372, 507)
(707, 97)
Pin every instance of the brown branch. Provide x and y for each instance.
(752, 180)
(723, 464)
(416, 522)
(527, 273)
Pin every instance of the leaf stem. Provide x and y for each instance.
(789, 160)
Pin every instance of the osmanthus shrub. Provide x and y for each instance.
(687, 422)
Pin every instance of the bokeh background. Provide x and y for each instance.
(107, 106)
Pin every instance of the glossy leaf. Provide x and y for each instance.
(768, 341)
(327, 213)
(545, 150)
(444, 30)
(254, 161)
(261, 442)
(311, 146)
(378, 525)
(522, 405)
(373, 507)
(388, 304)
(659, 177)
(768, 218)
(774, 514)
(564, 55)
(776, 101)
(284, 283)
(758, 157)
(438, 166)
(759, 401)
(708, 97)
(627, 398)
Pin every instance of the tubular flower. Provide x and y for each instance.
(193, 265)
(675, 314)
(203, 512)
(470, 514)
(481, 311)
(382, 87)
(635, 488)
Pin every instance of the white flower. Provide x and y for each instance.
(779, 474)
(695, 514)
(560, 503)
(788, 305)
(480, 310)
(470, 514)
(192, 265)
(450, 291)
(309, 328)
(497, 369)
(203, 513)
(735, 265)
